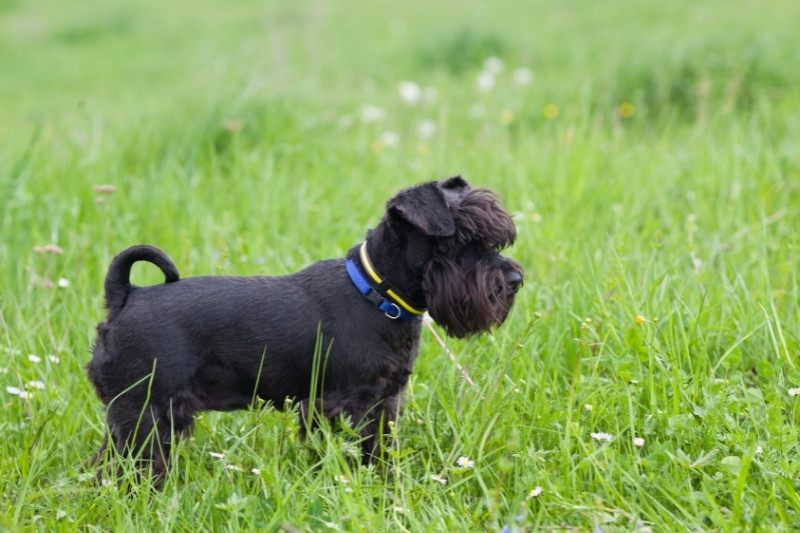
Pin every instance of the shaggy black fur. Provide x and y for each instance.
(168, 351)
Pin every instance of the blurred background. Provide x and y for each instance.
(647, 150)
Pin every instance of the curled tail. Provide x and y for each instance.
(118, 284)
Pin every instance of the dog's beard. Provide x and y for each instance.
(467, 302)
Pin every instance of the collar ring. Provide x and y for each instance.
(393, 308)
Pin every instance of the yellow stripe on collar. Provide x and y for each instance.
(377, 279)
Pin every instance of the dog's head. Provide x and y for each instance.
(441, 243)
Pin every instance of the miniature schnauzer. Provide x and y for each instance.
(170, 350)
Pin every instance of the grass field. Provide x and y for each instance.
(646, 379)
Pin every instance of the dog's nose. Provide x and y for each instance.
(514, 279)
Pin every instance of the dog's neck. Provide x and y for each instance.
(378, 290)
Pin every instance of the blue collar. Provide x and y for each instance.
(390, 303)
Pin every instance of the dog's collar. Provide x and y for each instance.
(383, 296)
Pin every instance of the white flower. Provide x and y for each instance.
(485, 81)
(34, 358)
(410, 92)
(493, 65)
(426, 128)
(794, 391)
(389, 138)
(256, 471)
(638, 442)
(35, 385)
(759, 450)
(371, 113)
(429, 94)
(217, 455)
(342, 479)
(601, 437)
(53, 358)
(233, 467)
(535, 491)
(465, 462)
(477, 111)
(13, 390)
(439, 479)
(522, 76)
(63, 283)
(588, 407)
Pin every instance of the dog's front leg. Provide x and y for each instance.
(373, 416)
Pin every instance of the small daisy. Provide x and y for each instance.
(217, 455)
(477, 111)
(342, 479)
(234, 467)
(389, 138)
(255, 471)
(493, 65)
(429, 95)
(34, 358)
(13, 390)
(426, 129)
(535, 492)
(522, 76)
(794, 391)
(485, 81)
(601, 437)
(465, 462)
(371, 113)
(53, 358)
(638, 442)
(588, 407)
(63, 283)
(410, 92)
(439, 479)
(35, 385)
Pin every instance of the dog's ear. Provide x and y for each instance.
(424, 207)
(455, 184)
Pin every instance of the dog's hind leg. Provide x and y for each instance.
(140, 434)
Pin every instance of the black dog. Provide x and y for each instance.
(214, 343)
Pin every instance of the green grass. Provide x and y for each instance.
(233, 133)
